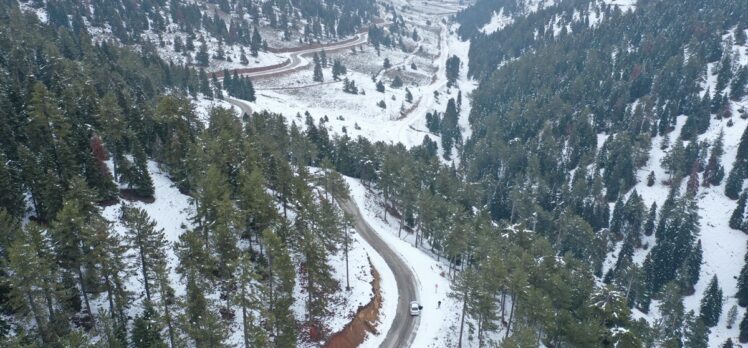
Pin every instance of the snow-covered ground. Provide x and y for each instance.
(498, 21)
(203, 106)
(171, 211)
(359, 115)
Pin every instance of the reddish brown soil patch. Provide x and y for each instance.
(354, 333)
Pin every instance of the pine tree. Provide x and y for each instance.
(742, 293)
(649, 225)
(714, 171)
(113, 333)
(97, 172)
(74, 227)
(689, 272)
(450, 131)
(312, 245)
(31, 268)
(736, 219)
(167, 298)
(204, 84)
(202, 57)
(247, 298)
(12, 199)
(711, 303)
(338, 69)
(146, 328)
(725, 71)
(147, 241)
(201, 324)
(48, 133)
(672, 310)
(255, 42)
(696, 333)
(216, 86)
(142, 179)
(734, 181)
(743, 338)
(317, 72)
(408, 95)
(280, 290)
(732, 315)
(323, 58)
(178, 44)
(741, 160)
(651, 179)
(738, 84)
(255, 204)
(110, 256)
(616, 220)
(397, 82)
(728, 344)
(243, 60)
(380, 87)
(452, 68)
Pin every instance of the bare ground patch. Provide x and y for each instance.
(365, 321)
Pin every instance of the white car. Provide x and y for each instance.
(415, 308)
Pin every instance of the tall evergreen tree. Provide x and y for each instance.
(202, 57)
(12, 198)
(450, 131)
(711, 303)
(649, 225)
(734, 183)
(147, 241)
(146, 329)
(743, 338)
(696, 333)
(200, 322)
(742, 293)
(736, 219)
(32, 291)
(317, 75)
(247, 298)
(280, 290)
(255, 42)
(73, 231)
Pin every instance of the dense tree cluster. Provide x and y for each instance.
(130, 20)
(84, 125)
(544, 100)
(523, 218)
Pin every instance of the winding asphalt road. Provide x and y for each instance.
(404, 326)
(241, 104)
(296, 61)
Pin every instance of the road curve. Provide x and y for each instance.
(404, 326)
(241, 104)
(296, 61)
